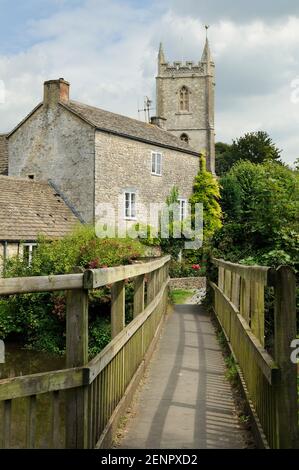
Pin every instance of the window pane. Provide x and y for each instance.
(153, 163)
(130, 210)
(159, 164)
(133, 205)
(183, 209)
(26, 254)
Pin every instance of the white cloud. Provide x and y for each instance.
(108, 53)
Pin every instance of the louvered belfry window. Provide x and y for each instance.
(184, 99)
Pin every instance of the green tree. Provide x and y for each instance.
(260, 204)
(256, 147)
(223, 159)
(206, 191)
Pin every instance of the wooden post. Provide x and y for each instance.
(285, 333)
(138, 295)
(117, 308)
(76, 356)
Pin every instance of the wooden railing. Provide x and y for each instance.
(269, 382)
(79, 407)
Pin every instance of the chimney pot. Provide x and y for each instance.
(159, 122)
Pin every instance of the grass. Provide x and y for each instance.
(179, 296)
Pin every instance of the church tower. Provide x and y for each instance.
(185, 98)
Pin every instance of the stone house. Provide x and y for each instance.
(29, 209)
(92, 156)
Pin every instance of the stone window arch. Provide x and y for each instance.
(185, 138)
(184, 99)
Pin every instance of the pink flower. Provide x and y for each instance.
(196, 267)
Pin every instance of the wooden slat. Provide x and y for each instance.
(94, 278)
(25, 386)
(22, 285)
(245, 298)
(7, 424)
(138, 295)
(236, 290)
(151, 287)
(228, 283)
(258, 311)
(31, 422)
(117, 308)
(221, 274)
(55, 420)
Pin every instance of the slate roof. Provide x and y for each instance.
(30, 208)
(127, 127)
(3, 155)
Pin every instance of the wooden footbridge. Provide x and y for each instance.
(81, 406)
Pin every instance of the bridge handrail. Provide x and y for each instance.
(95, 390)
(270, 383)
(91, 279)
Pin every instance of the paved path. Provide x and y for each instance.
(185, 402)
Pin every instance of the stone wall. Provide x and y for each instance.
(188, 283)
(57, 145)
(124, 164)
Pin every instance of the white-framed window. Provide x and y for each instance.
(130, 204)
(183, 208)
(28, 252)
(157, 163)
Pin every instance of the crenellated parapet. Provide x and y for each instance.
(186, 68)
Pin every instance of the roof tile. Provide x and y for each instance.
(30, 208)
(128, 127)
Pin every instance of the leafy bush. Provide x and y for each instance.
(184, 269)
(206, 191)
(260, 204)
(38, 320)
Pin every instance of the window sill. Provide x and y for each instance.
(156, 174)
(132, 219)
(184, 114)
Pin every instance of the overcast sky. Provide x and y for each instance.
(108, 49)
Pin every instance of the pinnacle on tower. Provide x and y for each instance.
(206, 55)
(161, 56)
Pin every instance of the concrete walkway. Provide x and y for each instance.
(185, 402)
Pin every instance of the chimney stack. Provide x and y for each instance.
(159, 122)
(56, 91)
